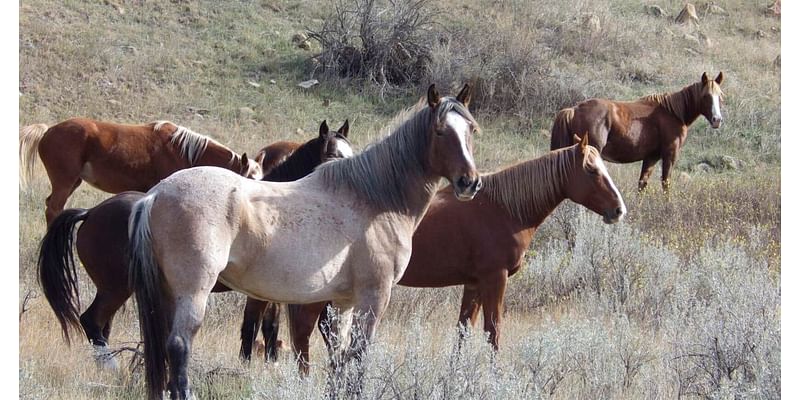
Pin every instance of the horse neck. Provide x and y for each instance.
(218, 155)
(531, 190)
(299, 164)
(683, 104)
(390, 175)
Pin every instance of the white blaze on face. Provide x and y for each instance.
(344, 148)
(601, 169)
(716, 113)
(461, 127)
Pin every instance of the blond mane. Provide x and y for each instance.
(532, 187)
(192, 145)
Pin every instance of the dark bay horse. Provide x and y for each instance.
(649, 129)
(102, 240)
(312, 153)
(342, 233)
(116, 158)
(482, 256)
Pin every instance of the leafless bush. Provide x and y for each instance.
(510, 71)
(387, 43)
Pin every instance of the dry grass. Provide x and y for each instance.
(682, 299)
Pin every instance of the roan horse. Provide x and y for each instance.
(342, 233)
(481, 256)
(650, 129)
(102, 242)
(284, 162)
(115, 158)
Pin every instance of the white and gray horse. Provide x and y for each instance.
(343, 233)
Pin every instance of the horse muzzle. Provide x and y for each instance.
(466, 188)
(716, 122)
(614, 215)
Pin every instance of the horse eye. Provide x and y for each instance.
(592, 171)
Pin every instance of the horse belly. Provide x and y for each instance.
(292, 274)
(627, 147)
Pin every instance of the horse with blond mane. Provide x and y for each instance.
(116, 158)
(650, 129)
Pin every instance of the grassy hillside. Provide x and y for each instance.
(682, 299)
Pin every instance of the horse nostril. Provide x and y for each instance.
(464, 182)
(618, 211)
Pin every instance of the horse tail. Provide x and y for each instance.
(560, 135)
(58, 275)
(29, 138)
(145, 278)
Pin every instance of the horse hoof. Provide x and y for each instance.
(104, 358)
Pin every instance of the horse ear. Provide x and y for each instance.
(575, 138)
(433, 96)
(584, 141)
(260, 157)
(345, 128)
(718, 79)
(465, 95)
(323, 129)
(704, 78)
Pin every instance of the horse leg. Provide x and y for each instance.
(269, 328)
(470, 304)
(188, 316)
(96, 323)
(667, 161)
(253, 313)
(648, 165)
(301, 325)
(492, 289)
(58, 196)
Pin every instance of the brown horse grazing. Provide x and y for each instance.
(115, 158)
(101, 243)
(650, 129)
(275, 154)
(342, 233)
(512, 204)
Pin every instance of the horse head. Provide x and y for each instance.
(591, 185)
(450, 145)
(710, 99)
(334, 144)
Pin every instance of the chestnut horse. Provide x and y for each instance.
(115, 158)
(512, 204)
(342, 233)
(650, 129)
(102, 241)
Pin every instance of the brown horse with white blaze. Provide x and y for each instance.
(116, 158)
(342, 233)
(482, 256)
(650, 129)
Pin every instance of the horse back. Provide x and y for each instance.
(275, 154)
(102, 242)
(473, 250)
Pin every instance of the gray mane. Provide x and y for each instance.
(381, 174)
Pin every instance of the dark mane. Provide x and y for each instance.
(298, 164)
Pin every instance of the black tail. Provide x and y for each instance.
(145, 278)
(560, 134)
(58, 276)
